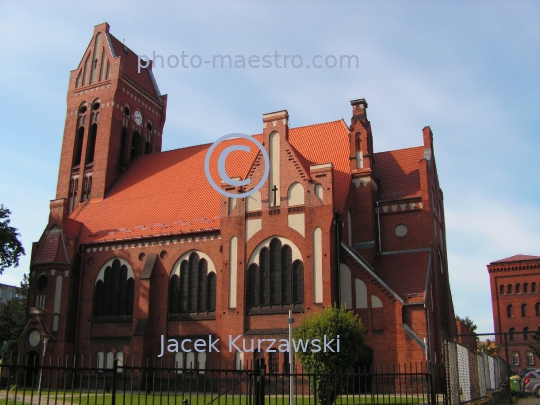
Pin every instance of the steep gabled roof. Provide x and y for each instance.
(327, 143)
(168, 194)
(517, 258)
(130, 63)
(52, 249)
(405, 273)
(399, 172)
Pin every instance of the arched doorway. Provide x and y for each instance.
(363, 369)
(32, 369)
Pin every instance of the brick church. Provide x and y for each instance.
(139, 245)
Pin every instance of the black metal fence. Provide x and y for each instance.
(76, 381)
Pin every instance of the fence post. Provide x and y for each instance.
(260, 371)
(432, 384)
(115, 371)
(508, 368)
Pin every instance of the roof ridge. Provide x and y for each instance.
(520, 257)
(320, 123)
(398, 150)
(252, 135)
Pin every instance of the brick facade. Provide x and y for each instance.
(379, 218)
(515, 298)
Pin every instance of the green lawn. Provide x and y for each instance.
(92, 398)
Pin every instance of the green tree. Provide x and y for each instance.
(13, 317)
(468, 322)
(331, 322)
(10, 245)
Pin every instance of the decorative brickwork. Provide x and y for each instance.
(335, 223)
(515, 298)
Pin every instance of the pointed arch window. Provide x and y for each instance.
(113, 296)
(73, 190)
(211, 293)
(92, 133)
(123, 147)
(87, 187)
(42, 283)
(277, 280)
(194, 289)
(77, 148)
(148, 141)
(91, 146)
(135, 144)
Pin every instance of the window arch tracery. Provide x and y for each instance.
(192, 285)
(114, 289)
(277, 279)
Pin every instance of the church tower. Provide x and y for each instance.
(115, 113)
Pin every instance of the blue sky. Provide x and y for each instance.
(468, 69)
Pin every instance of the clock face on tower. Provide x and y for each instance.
(138, 117)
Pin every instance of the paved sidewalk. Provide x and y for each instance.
(529, 401)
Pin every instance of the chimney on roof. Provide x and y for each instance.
(359, 107)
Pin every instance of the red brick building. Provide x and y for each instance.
(515, 297)
(139, 245)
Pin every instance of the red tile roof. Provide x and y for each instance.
(517, 258)
(399, 172)
(167, 193)
(327, 143)
(52, 250)
(130, 65)
(405, 273)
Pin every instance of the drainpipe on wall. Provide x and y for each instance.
(338, 223)
(78, 300)
(378, 226)
(428, 340)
